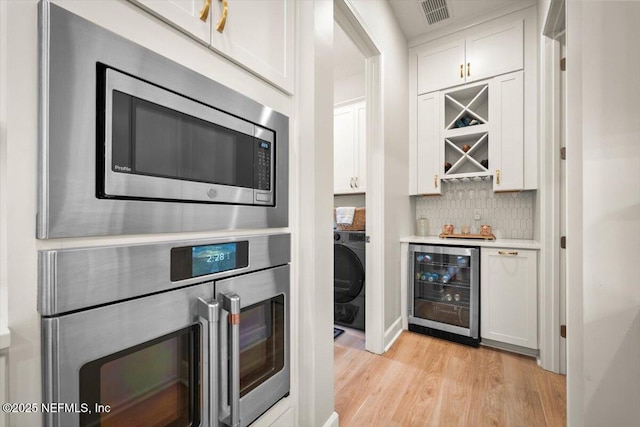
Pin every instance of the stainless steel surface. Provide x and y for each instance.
(75, 339)
(254, 288)
(131, 185)
(474, 304)
(73, 279)
(70, 47)
(231, 304)
(208, 313)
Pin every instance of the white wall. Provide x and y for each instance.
(313, 218)
(350, 87)
(380, 23)
(603, 331)
(21, 171)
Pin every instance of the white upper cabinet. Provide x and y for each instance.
(349, 145)
(506, 150)
(478, 55)
(426, 162)
(440, 66)
(256, 34)
(495, 51)
(182, 14)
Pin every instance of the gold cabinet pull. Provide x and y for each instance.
(513, 253)
(468, 69)
(461, 70)
(435, 181)
(223, 19)
(498, 176)
(204, 13)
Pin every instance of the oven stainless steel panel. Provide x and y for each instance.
(72, 279)
(70, 47)
(252, 289)
(72, 340)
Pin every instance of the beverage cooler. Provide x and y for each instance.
(443, 292)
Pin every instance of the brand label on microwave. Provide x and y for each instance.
(122, 168)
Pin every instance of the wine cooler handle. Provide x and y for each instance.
(209, 315)
(231, 304)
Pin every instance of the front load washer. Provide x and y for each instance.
(349, 278)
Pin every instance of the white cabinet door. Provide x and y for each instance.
(476, 56)
(344, 149)
(361, 140)
(440, 66)
(183, 14)
(259, 35)
(495, 51)
(427, 161)
(506, 144)
(508, 289)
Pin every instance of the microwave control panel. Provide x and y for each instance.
(262, 161)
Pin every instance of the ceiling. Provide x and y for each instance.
(412, 19)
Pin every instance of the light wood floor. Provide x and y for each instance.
(424, 381)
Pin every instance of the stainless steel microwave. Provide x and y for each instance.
(133, 143)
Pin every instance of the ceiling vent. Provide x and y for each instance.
(435, 10)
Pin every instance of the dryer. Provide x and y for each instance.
(349, 278)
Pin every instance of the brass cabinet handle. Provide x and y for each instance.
(468, 69)
(514, 253)
(498, 176)
(461, 70)
(204, 13)
(435, 181)
(223, 19)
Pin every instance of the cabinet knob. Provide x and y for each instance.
(223, 18)
(498, 176)
(513, 253)
(468, 69)
(351, 182)
(204, 12)
(461, 71)
(356, 181)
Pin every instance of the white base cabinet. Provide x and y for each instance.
(508, 296)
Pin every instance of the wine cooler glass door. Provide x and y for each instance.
(444, 288)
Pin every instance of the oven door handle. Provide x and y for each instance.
(209, 315)
(231, 305)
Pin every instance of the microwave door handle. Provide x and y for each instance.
(231, 304)
(208, 315)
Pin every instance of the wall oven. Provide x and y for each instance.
(145, 145)
(444, 292)
(191, 333)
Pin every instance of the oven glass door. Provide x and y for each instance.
(151, 384)
(262, 328)
(149, 361)
(254, 343)
(156, 140)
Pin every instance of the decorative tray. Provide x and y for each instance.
(467, 236)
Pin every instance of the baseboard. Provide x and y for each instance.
(392, 334)
(332, 421)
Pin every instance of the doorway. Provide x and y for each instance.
(360, 84)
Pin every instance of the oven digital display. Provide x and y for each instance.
(213, 258)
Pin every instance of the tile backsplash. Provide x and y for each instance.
(510, 215)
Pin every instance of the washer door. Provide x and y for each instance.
(348, 278)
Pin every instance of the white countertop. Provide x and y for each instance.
(498, 243)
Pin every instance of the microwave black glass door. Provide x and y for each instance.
(152, 384)
(152, 140)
